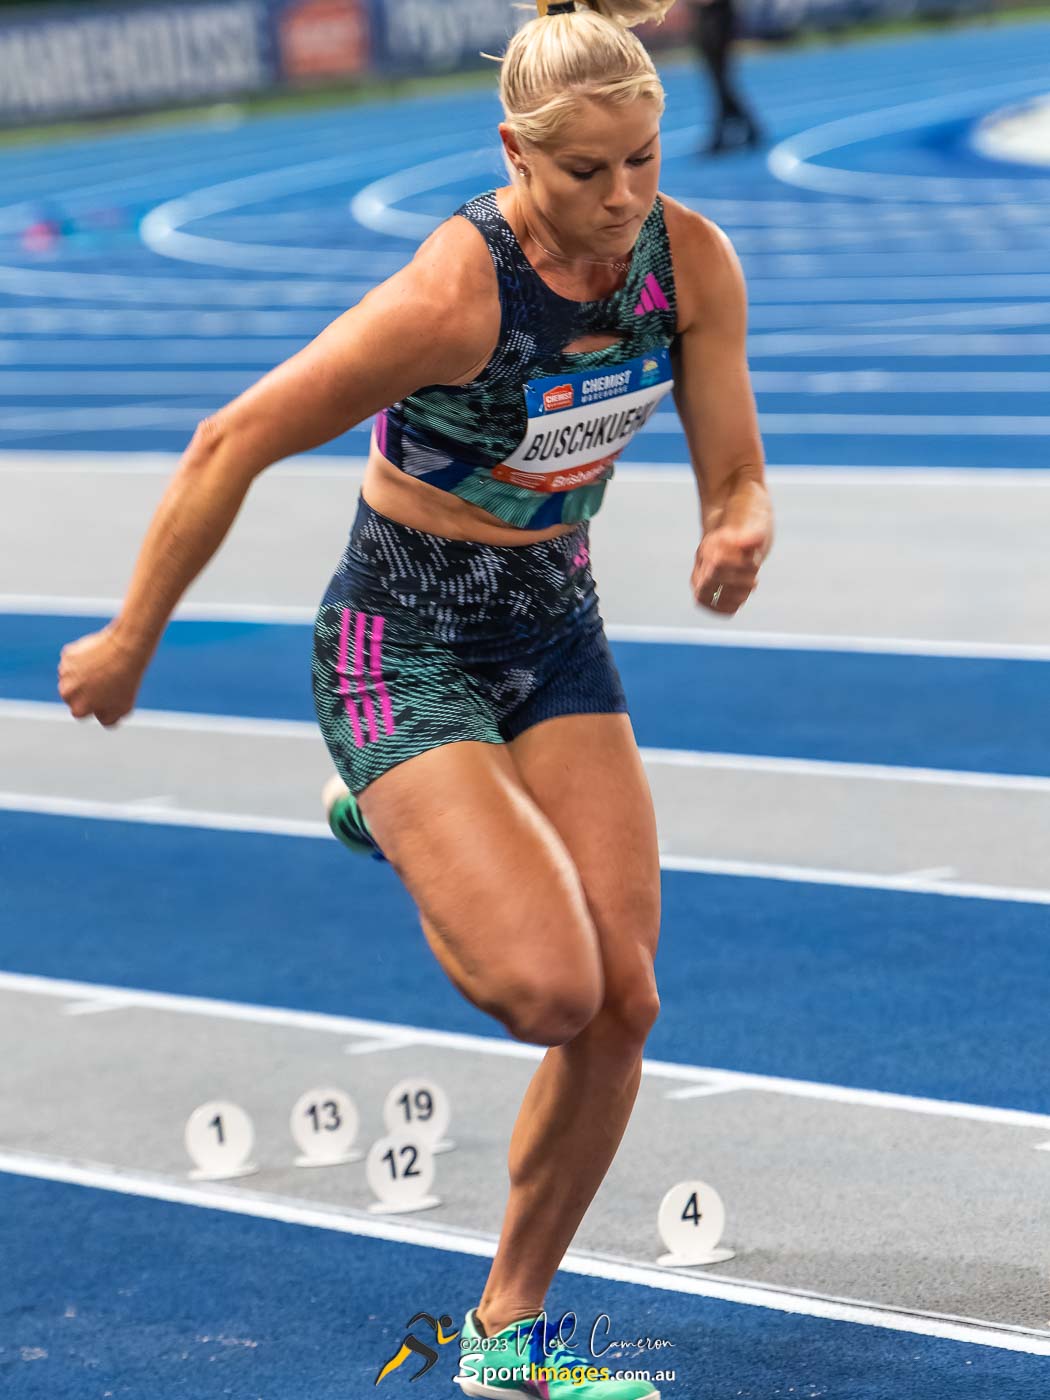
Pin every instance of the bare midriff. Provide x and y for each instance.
(423, 507)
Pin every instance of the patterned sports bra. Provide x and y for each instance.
(535, 437)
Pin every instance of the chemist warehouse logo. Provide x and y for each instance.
(560, 397)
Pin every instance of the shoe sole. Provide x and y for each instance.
(332, 792)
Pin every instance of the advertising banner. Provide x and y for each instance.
(58, 62)
(433, 36)
(318, 39)
(68, 63)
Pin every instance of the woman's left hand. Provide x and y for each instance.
(725, 572)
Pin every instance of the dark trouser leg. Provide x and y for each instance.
(715, 25)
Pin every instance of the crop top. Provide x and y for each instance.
(534, 438)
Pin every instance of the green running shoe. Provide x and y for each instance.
(347, 820)
(527, 1359)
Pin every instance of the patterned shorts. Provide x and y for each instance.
(422, 641)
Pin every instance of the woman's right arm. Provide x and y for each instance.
(433, 322)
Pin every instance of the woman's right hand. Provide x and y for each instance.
(100, 675)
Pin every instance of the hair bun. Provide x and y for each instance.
(624, 12)
(631, 12)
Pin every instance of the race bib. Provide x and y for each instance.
(579, 423)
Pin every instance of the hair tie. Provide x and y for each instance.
(564, 7)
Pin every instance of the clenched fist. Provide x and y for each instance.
(100, 675)
(725, 572)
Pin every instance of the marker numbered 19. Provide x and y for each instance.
(421, 1106)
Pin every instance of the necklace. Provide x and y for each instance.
(615, 263)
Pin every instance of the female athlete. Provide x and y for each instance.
(462, 678)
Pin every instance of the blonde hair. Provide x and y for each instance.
(552, 61)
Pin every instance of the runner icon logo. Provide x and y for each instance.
(413, 1346)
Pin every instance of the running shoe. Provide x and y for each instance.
(347, 820)
(527, 1359)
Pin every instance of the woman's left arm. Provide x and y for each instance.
(715, 401)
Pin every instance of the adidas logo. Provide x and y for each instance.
(653, 298)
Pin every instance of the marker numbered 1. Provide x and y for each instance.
(219, 1138)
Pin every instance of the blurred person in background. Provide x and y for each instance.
(714, 28)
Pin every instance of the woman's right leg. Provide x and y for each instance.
(500, 898)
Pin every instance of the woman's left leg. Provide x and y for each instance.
(585, 773)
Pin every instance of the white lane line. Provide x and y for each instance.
(180, 721)
(500, 1047)
(106, 418)
(886, 424)
(163, 228)
(772, 333)
(838, 381)
(806, 291)
(380, 1047)
(372, 207)
(171, 721)
(69, 605)
(902, 475)
(247, 823)
(78, 463)
(848, 879)
(140, 172)
(288, 1210)
(37, 805)
(125, 416)
(907, 218)
(1025, 313)
(803, 641)
(792, 160)
(48, 382)
(830, 768)
(184, 292)
(41, 605)
(862, 261)
(116, 383)
(155, 326)
(703, 1091)
(913, 344)
(85, 463)
(253, 356)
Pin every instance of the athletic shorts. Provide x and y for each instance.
(422, 641)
